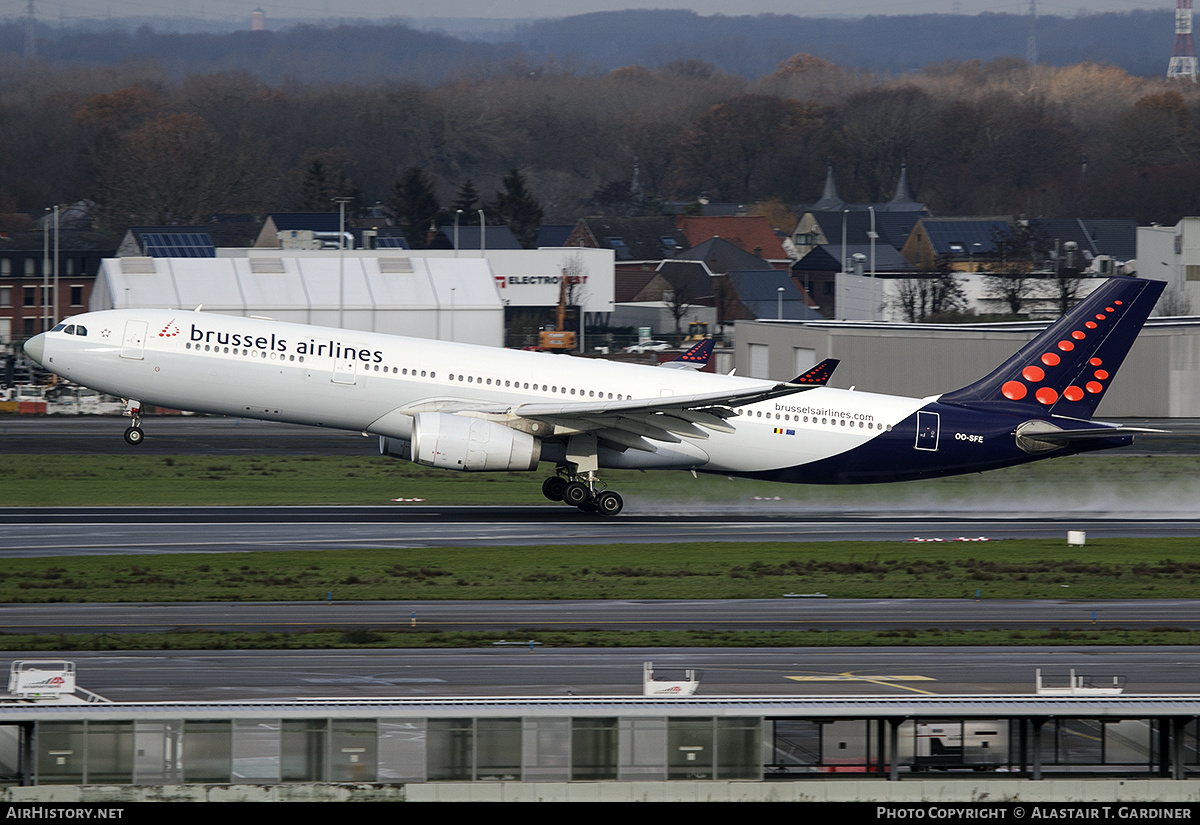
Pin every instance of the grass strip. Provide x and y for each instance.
(1110, 568)
(1122, 484)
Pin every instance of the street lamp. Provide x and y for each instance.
(873, 235)
(457, 214)
(482, 234)
(56, 263)
(341, 201)
(779, 293)
(46, 270)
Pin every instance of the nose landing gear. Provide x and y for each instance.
(583, 491)
(133, 433)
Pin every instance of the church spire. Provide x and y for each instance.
(903, 193)
(829, 202)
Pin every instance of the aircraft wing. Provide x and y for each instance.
(624, 424)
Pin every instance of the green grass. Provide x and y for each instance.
(1122, 483)
(1027, 569)
(368, 638)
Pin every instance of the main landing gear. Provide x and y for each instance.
(583, 491)
(133, 433)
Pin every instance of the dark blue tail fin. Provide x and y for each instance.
(695, 358)
(818, 375)
(1067, 369)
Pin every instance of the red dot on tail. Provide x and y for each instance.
(1013, 390)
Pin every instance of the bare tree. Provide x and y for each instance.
(679, 300)
(1173, 303)
(1011, 276)
(939, 292)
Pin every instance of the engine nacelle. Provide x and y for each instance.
(454, 442)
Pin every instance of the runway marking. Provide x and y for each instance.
(888, 681)
(846, 677)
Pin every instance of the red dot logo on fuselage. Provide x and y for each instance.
(170, 330)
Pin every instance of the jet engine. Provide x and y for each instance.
(454, 442)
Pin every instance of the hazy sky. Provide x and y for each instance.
(53, 10)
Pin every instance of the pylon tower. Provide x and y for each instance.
(1183, 56)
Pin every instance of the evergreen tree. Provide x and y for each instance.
(467, 199)
(518, 208)
(414, 206)
(324, 180)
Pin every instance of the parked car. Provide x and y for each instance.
(649, 346)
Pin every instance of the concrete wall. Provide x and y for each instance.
(1160, 377)
(1162, 792)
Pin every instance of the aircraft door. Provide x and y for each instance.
(133, 345)
(928, 424)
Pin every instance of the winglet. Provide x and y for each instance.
(818, 375)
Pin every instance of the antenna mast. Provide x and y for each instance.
(1183, 56)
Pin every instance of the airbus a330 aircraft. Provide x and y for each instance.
(465, 407)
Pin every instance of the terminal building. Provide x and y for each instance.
(768, 747)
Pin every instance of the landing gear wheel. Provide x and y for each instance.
(134, 436)
(609, 503)
(553, 488)
(576, 493)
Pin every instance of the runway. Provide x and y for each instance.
(272, 675)
(64, 531)
(771, 615)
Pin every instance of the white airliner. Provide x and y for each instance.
(466, 407)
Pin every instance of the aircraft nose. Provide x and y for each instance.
(35, 347)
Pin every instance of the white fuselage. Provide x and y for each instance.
(369, 382)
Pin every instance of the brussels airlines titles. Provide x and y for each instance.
(270, 343)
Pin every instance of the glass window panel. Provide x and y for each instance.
(1129, 742)
(354, 752)
(498, 749)
(303, 745)
(256, 750)
(109, 753)
(61, 749)
(690, 748)
(739, 749)
(449, 755)
(594, 748)
(207, 751)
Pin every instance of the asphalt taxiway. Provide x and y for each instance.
(517, 671)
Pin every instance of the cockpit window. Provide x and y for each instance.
(70, 330)
(80, 329)
(59, 328)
